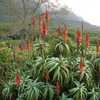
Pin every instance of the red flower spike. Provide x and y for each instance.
(44, 30)
(58, 87)
(78, 37)
(43, 27)
(65, 33)
(18, 79)
(87, 40)
(82, 65)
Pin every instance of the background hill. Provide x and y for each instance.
(64, 15)
(68, 17)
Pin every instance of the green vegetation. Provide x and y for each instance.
(51, 71)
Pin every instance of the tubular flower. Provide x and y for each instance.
(65, 34)
(43, 28)
(82, 65)
(78, 37)
(87, 40)
(18, 79)
(58, 87)
(97, 46)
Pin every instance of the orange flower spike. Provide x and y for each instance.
(43, 27)
(78, 37)
(82, 65)
(44, 30)
(18, 79)
(58, 87)
(65, 33)
(87, 40)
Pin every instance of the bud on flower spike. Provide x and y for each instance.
(87, 40)
(78, 37)
(65, 33)
(18, 79)
(82, 65)
(58, 87)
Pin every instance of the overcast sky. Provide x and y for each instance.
(88, 9)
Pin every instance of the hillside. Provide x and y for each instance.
(62, 16)
(68, 17)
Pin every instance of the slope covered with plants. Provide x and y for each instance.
(50, 66)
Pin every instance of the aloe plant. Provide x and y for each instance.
(57, 63)
(97, 69)
(33, 90)
(87, 75)
(79, 92)
(62, 49)
(40, 48)
(94, 93)
(39, 66)
(8, 90)
(58, 68)
(48, 91)
(64, 97)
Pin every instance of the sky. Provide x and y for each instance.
(89, 10)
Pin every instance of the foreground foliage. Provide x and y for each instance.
(50, 71)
